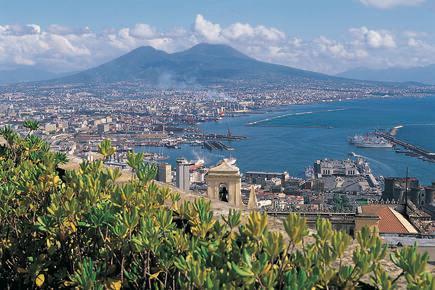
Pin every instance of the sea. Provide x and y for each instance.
(291, 138)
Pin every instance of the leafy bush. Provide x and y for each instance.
(82, 229)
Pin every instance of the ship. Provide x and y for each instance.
(370, 141)
(172, 144)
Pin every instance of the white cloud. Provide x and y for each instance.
(61, 48)
(20, 29)
(143, 31)
(239, 30)
(21, 60)
(387, 4)
(236, 32)
(338, 50)
(271, 34)
(210, 31)
(412, 42)
(374, 38)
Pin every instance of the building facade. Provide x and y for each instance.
(183, 174)
(165, 174)
(329, 167)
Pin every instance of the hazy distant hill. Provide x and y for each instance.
(425, 74)
(202, 64)
(28, 74)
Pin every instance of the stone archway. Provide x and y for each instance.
(224, 183)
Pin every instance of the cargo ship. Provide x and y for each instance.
(370, 141)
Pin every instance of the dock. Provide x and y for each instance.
(216, 145)
(413, 150)
(224, 137)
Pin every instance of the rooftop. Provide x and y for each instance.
(224, 167)
(390, 221)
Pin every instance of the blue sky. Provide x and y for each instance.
(327, 36)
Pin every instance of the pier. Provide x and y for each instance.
(413, 149)
(217, 145)
(227, 137)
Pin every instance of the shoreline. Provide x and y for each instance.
(286, 107)
(384, 163)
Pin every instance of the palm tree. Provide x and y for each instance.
(106, 149)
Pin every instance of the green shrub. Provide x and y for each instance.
(82, 229)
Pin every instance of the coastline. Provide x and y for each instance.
(290, 141)
(292, 148)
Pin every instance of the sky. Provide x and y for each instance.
(327, 36)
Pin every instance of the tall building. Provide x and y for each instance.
(165, 174)
(183, 174)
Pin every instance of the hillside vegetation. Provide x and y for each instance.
(82, 229)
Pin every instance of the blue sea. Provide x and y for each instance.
(293, 137)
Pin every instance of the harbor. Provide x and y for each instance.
(298, 146)
(217, 145)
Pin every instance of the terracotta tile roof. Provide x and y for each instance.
(390, 220)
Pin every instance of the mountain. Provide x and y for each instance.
(424, 74)
(26, 74)
(202, 64)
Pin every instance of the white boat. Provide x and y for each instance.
(370, 141)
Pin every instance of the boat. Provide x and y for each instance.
(172, 144)
(370, 141)
(197, 143)
(155, 157)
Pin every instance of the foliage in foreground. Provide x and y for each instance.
(81, 229)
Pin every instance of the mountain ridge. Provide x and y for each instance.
(203, 63)
(423, 74)
(27, 74)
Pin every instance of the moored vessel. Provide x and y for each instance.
(370, 141)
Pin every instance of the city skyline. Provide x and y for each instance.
(77, 35)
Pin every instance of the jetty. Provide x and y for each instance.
(217, 145)
(413, 150)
